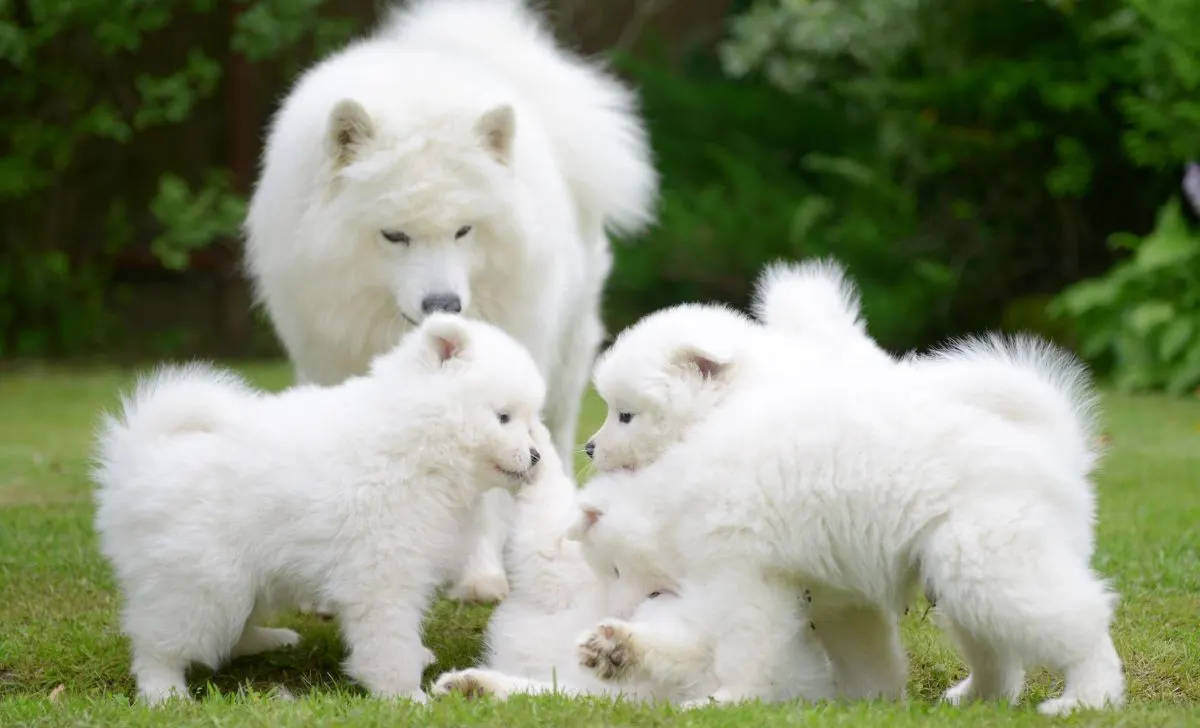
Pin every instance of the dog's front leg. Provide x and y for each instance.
(384, 638)
(763, 649)
(864, 647)
(482, 576)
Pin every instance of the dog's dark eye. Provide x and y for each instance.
(396, 236)
(655, 595)
(503, 417)
(624, 417)
(462, 231)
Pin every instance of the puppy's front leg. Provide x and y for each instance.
(762, 649)
(658, 647)
(384, 638)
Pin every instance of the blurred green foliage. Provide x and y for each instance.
(88, 88)
(1021, 135)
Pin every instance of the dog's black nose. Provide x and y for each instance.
(534, 456)
(590, 449)
(448, 302)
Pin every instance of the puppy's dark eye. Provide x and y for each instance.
(396, 236)
(503, 417)
(462, 231)
(654, 595)
(624, 417)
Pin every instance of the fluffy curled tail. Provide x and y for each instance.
(1029, 381)
(170, 401)
(816, 300)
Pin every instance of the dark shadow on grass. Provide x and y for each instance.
(452, 630)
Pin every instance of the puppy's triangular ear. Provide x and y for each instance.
(588, 517)
(497, 128)
(446, 335)
(707, 363)
(350, 128)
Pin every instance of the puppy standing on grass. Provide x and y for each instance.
(964, 473)
(217, 503)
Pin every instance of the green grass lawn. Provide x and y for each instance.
(62, 661)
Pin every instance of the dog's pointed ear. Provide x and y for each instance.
(588, 517)
(497, 128)
(447, 336)
(350, 128)
(708, 363)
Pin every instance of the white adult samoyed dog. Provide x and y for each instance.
(217, 503)
(863, 488)
(568, 624)
(455, 160)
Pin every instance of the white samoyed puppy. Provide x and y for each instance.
(668, 371)
(964, 473)
(533, 641)
(217, 503)
(455, 160)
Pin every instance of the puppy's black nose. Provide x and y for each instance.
(534, 456)
(448, 302)
(590, 449)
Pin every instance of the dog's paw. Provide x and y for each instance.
(960, 693)
(717, 698)
(322, 609)
(257, 640)
(471, 684)
(481, 588)
(609, 650)
(428, 658)
(706, 702)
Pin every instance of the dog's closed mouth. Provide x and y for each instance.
(523, 477)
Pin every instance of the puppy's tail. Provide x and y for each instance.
(1027, 381)
(814, 299)
(170, 401)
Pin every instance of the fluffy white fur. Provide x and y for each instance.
(217, 504)
(579, 624)
(456, 158)
(816, 301)
(963, 473)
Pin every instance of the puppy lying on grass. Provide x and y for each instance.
(218, 504)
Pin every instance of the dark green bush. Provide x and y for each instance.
(113, 139)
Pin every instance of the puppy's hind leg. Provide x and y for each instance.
(483, 578)
(256, 640)
(1015, 596)
(864, 649)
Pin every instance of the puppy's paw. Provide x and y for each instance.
(471, 684)
(320, 609)
(483, 588)
(958, 694)
(706, 702)
(428, 659)
(257, 640)
(610, 650)
(716, 699)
